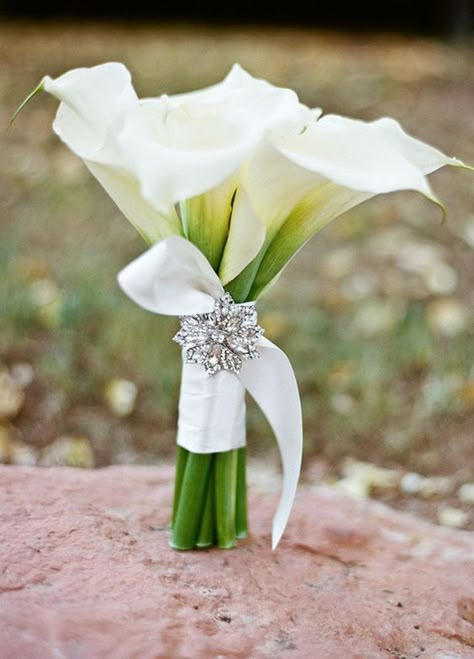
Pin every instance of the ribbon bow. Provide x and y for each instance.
(174, 278)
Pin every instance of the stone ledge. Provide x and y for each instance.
(87, 574)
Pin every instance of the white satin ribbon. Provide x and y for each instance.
(211, 410)
(174, 278)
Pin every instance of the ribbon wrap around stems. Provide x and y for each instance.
(174, 278)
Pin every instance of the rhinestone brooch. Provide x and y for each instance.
(221, 339)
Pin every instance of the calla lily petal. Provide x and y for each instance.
(92, 100)
(249, 101)
(313, 213)
(246, 237)
(373, 156)
(94, 104)
(176, 156)
(275, 185)
(124, 189)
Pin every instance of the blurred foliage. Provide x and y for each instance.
(375, 313)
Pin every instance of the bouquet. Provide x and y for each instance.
(226, 184)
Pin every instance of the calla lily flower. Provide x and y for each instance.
(242, 169)
(298, 182)
(94, 104)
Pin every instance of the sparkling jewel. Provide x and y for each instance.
(221, 339)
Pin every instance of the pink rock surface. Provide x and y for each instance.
(86, 573)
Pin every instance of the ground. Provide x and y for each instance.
(93, 576)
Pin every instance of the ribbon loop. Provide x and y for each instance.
(174, 278)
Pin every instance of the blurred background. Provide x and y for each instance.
(375, 313)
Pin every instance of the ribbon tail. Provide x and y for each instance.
(271, 382)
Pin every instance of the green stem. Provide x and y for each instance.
(207, 535)
(241, 522)
(240, 287)
(191, 501)
(181, 459)
(225, 501)
(35, 91)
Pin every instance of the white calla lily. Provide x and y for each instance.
(94, 104)
(318, 173)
